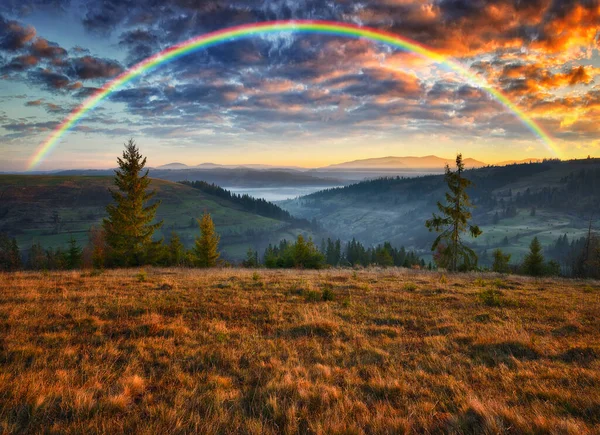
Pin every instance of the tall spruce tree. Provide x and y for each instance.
(206, 249)
(534, 261)
(453, 221)
(128, 228)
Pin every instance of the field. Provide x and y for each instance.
(339, 351)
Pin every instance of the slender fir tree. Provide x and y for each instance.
(453, 221)
(206, 249)
(128, 227)
(176, 250)
(534, 261)
(73, 256)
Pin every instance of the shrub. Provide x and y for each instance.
(410, 286)
(142, 276)
(491, 298)
(328, 294)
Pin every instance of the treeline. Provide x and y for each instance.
(250, 204)
(305, 254)
(39, 258)
(579, 257)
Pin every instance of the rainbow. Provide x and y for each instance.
(264, 28)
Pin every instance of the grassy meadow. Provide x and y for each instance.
(338, 351)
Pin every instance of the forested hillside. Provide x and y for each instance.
(50, 209)
(513, 204)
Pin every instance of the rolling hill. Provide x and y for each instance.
(49, 209)
(229, 177)
(562, 193)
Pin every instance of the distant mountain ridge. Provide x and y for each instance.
(407, 162)
(519, 162)
(208, 165)
(376, 163)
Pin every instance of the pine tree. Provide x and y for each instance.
(73, 256)
(501, 261)
(534, 261)
(128, 229)
(455, 215)
(10, 257)
(175, 250)
(251, 258)
(206, 249)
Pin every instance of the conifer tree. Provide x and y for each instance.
(251, 258)
(176, 250)
(128, 228)
(206, 249)
(534, 261)
(10, 257)
(501, 261)
(73, 256)
(453, 221)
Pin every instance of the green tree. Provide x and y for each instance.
(534, 261)
(453, 221)
(251, 258)
(176, 250)
(501, 261)
(128, 228)
(74, 255)
(10, 257)
(206, 249)
(306, 255)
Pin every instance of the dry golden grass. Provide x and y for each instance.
(234, 351)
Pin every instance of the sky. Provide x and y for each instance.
(298, 99)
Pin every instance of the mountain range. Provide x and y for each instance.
(378, 163)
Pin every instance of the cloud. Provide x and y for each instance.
(13, 35)
(89, 67)
(35, 103)
(42, 48)
(52, 81)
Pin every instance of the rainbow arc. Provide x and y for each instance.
(260, 29)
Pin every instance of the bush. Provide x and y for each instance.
(410, 286)
(142, 276)
(328, 294)
(491, 297)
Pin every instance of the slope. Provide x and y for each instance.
(563, 194)
(49, 209)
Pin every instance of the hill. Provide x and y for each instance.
(49, 209)
(243, 351)
(230, 177)
(518, 162)
(175, 165)
(426, 162)
(394, 208)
